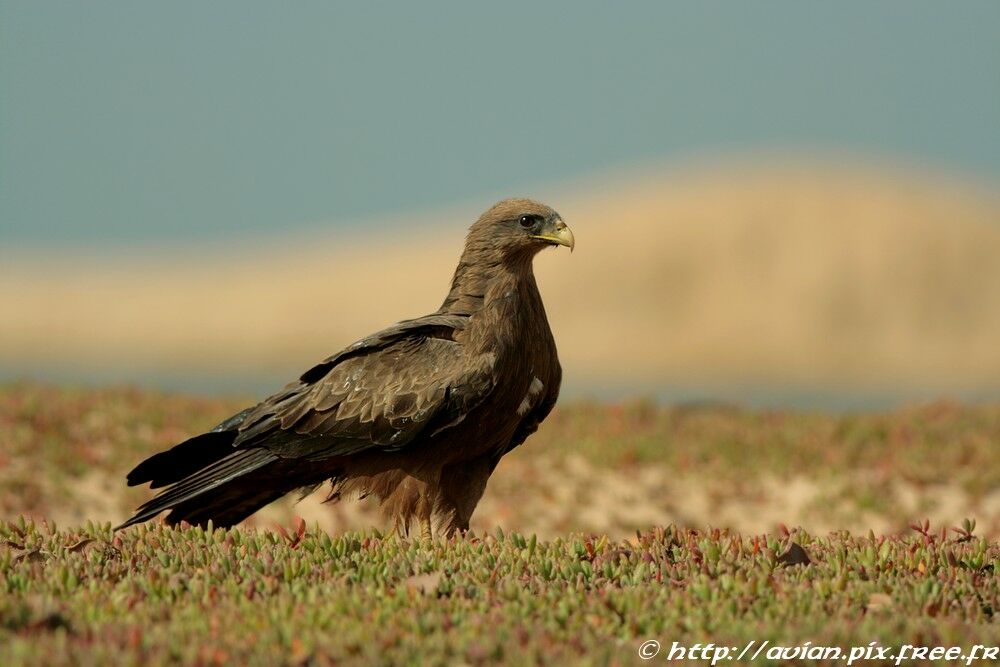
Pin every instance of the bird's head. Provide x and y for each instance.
(517, 229)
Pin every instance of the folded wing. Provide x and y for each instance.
(387, 392)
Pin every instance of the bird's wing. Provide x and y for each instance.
(436, 325)
(379, 393)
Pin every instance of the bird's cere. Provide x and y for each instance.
(560, 234)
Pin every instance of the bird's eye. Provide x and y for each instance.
(527, 220)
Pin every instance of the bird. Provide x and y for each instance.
(417, 415)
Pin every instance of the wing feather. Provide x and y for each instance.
(380, 393)
(379, 398)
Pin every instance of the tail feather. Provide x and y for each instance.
(186, 491)
(183, 460)
(225, 506)
(189, 456)
(207, 478)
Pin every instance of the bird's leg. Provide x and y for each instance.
(425, 528)
(423, 512)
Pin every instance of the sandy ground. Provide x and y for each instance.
(553, 497)
(786, 274)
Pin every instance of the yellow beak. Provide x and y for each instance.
(560, 234)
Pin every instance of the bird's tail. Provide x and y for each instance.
(207, 479)
(227, 490)
(183, 460)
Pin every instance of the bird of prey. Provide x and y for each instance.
(417, 415)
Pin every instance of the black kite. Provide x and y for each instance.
(417, 415)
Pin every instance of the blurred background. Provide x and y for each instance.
(787, 204)
(790, 207)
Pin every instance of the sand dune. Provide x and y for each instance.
(784, 274)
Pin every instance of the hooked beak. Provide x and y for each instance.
(557, 234)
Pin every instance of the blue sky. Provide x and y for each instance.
(138, 122)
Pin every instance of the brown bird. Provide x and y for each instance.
(417, 415)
